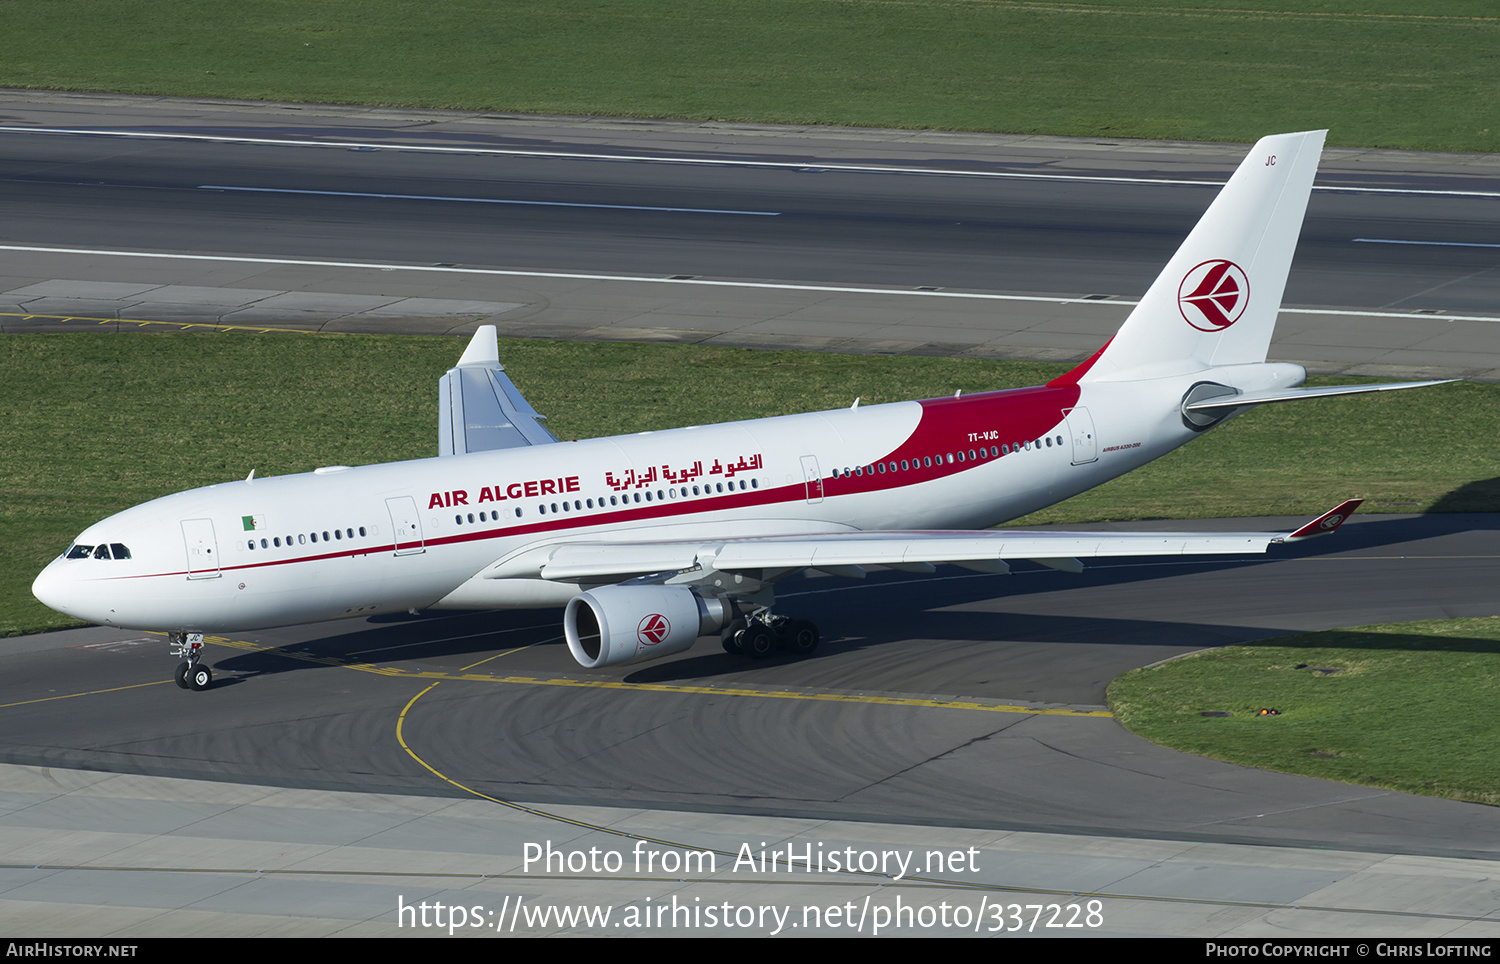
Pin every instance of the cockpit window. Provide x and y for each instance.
(116, 550)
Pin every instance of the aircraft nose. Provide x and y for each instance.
(54, 588)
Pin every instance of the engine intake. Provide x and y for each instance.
(616, 625)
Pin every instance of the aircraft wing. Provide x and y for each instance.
(845, 553)
(480, 408)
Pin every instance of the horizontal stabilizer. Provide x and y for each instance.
(480, 408)
(1245, 399)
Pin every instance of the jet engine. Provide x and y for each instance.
(615, 625)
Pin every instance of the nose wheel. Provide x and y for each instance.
(191, 673)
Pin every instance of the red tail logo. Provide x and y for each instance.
(653, 629)
(1213, 295)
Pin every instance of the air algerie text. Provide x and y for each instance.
(498, 493)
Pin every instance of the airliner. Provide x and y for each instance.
(652, 541)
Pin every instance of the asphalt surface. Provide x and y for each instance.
(314, 706)
(871, 240)
(941, 710)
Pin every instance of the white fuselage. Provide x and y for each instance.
(436, 533)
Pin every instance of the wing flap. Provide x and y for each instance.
(845, 551)
(836, 552)
(888, 548)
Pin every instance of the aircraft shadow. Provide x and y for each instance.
(953, 616)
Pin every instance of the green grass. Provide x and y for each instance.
(97, 422)
(1378, 73)
(1410, 706)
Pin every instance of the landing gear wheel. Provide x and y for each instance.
(200, 678)
(803, 637)
(758, 642)
(182, 674)
(732, 642)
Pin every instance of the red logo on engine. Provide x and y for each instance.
(653, 629)
(1213, 295)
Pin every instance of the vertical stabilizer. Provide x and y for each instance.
(1217, 300)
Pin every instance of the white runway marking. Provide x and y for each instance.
(683, 159)
(1446, 244)
(703, 282)
(486, 200)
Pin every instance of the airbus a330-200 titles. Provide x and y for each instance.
(652, 541)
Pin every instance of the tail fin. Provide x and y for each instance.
(1216, 301)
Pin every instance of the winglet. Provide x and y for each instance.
(1325, 523)
(484, 348)
(479, 407)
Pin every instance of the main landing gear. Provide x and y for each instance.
(764, 633)
(191, 673)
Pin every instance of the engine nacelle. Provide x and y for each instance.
(615, 625)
